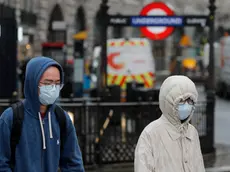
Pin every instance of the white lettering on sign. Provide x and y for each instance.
(202, 22)
(118, 20)
(157, 21)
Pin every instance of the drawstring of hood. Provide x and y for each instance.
(42, 129)
(50, 126)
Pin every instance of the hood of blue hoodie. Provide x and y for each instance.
(34, 71)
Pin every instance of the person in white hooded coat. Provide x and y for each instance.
(170, 143)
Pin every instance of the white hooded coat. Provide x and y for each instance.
(166, 144)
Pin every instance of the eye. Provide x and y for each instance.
(181, 102)
(46, 83)
(49, 87)
(190, 101)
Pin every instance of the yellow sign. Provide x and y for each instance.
(185, 41)
(189, 63)
(80, 35)
(147, 78)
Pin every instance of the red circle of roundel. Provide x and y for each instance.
(144, 12)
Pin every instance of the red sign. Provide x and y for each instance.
(53, 44)
(154, 9)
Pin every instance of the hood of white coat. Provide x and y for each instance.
(174, 89)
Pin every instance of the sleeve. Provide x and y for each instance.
(198, 157)
(4, 146)
(71, 157)
(144, 156)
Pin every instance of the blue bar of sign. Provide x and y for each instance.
(139, 21)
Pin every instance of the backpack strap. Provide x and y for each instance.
(60, 114)
(18, 116)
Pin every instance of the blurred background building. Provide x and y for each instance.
(69, 31)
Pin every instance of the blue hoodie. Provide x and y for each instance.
(38, 151)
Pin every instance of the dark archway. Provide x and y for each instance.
(56, 35)
(80, 19)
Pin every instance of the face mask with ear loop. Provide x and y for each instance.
(49, 94)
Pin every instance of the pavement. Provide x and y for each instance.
(220, 162)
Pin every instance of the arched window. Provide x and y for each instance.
(80, 19)
(56, 35)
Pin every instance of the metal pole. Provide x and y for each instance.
(211, 69)
(104, 17)
(210, 108)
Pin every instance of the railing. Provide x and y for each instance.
(108, 132)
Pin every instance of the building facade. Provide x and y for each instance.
(77, 16)
(56, 21)
(47, 26)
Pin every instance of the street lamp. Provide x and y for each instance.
(211, 68)
(104, 17)
(210, 107)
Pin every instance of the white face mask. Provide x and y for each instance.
(49, 94)
(184, 110)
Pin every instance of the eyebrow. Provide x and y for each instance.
(50, 80)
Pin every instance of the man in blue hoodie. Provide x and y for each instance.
(39, 146)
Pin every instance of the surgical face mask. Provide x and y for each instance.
(49, 94)
(184, 110)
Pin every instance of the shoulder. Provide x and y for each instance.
(64, 113)
(192, 128)
(7, 116)
(192, 131)
(154, 126)
(66, 116)
(150, 131)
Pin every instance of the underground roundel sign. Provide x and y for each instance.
(157, 32)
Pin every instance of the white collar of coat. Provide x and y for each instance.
(174, 132)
